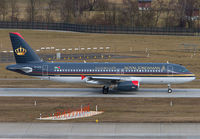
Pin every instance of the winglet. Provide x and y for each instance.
(18, 34)
(82, 77)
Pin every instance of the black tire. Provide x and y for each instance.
(169, 90)
(105, 90)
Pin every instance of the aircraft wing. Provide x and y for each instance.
(24, 69)
(103, 80)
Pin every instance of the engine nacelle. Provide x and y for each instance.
(128, 86)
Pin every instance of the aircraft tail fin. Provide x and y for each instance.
(22, 51)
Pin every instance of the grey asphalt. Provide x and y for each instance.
(100, 130)
(96, 92)
(18, 79)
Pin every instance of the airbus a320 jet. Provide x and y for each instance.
(124, 76)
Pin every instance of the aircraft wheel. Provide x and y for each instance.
(105, 90)
(169, 90)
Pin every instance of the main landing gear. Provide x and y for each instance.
(105, 90)
(169, 88)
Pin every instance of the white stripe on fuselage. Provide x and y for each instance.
(142, 80)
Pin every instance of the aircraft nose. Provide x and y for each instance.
(193, 75)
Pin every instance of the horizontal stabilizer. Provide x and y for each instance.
(16, 67)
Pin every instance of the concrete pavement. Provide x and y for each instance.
(100, 130)
(97, 92)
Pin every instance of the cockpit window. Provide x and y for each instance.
(180, 68)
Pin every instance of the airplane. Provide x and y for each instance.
(123, 76)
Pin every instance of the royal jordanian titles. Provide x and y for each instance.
(123, 76)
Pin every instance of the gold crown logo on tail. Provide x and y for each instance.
(20, 51)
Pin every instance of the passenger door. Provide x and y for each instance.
(170, 70)
(45, 70)
(122, 71)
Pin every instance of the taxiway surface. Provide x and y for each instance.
(100, 130)
(97, 92)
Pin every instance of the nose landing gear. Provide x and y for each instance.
(169, 88)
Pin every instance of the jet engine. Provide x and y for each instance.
(128, 86)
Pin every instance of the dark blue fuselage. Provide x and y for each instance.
(108, 69)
